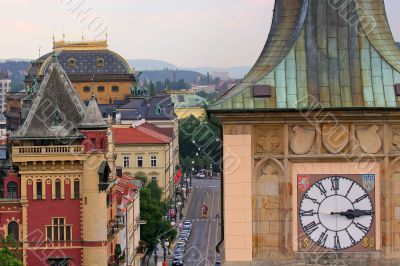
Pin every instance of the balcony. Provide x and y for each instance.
(114, 227)
(47, 150)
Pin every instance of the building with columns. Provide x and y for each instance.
(311, 141)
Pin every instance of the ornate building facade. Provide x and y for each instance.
(87, 63)
(58, 204)
(311, 156)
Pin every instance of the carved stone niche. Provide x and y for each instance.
(269, 139)
(395, 139)
(268, 192)
(336, 138)
(302, 140)
(368, 139)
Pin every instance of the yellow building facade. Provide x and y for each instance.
(148, 152)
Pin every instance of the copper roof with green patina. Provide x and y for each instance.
(331, 54)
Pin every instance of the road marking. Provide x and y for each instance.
(209, 228)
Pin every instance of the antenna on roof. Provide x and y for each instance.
(92, 86)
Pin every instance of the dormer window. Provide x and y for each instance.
(72, 62)
(100, 62)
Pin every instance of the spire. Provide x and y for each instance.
(93, 118)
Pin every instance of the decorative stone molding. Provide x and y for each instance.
(269, 139)
(335, 137)
(369, 139)
(395, 139)
(302, 139)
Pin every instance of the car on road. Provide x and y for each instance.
(186, 232)
(218, 263)
(178, 261)
(187, 225)
(182, 237)
(200, 175)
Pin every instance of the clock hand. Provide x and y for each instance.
(351, 214)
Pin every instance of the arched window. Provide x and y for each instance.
(76, 189)
(13, 230)
(58, 189)
(12, 190)
(39, 189)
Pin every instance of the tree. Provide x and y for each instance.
(150, 208)
(9, 253)
(152, 89)
(142, 177)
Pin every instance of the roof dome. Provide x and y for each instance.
(82, 59)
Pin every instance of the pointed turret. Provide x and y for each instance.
(56, 110)
(93, 118)
(332, 54)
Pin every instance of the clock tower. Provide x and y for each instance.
(311, 141)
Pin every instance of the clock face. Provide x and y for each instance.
(336, 213)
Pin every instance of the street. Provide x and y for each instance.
(205, 231)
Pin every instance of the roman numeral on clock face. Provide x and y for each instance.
(363, 228)
(321, 187)
(361, 198)
(335, 183)
(312, 199)
(307, 213)
(337, 242)
(353, 242)
(311, 227)
(322, 239)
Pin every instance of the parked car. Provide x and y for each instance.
(187, 225)
(182, 237)
(178, 261)
(218, 263)
(186, 232)
(180, 243)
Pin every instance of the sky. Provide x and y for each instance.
(187, 33)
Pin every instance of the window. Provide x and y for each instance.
(140, 161)
(153, 160)
(39, 189)
(58, 230)
(100, 88)
(100, 62)
(71, 62)
(13, 230)
(12, 190)
(76, 189)
(59, 261)
(115, 89)
(58, 189)
(126, 161)
(86, 89)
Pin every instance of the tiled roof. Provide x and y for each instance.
(56, 110)
(86, 63)
(138, 136)
(93, 117)
(167, 131)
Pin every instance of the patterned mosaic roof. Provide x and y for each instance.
(84, 63)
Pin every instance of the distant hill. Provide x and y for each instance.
(16, 69)
(149, 64)
(171, 74)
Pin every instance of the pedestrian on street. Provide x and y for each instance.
(217, 216)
